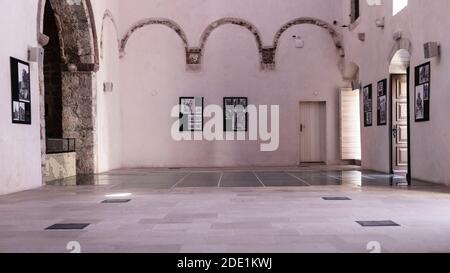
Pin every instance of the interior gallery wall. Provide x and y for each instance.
(20, 160)
(138, 83)
(153, 76)
(418, 22)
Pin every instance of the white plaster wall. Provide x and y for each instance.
(420, 22)
(20, 148)
(109, 125)
(153, 77)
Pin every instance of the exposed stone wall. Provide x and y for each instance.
(78, 62)
(79, 109)
(76, 34)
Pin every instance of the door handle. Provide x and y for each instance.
(395, 132)
(301, 127)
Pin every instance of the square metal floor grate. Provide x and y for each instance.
(116, 201)
(68, 227)
(387, 223)
(336, 199)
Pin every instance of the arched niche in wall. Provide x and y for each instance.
(196, 54)
(269, 60)
(108, 16)
(153, 21)
(79, 62)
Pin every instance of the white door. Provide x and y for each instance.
(400, 123)
(312, 132)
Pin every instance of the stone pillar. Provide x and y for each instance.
(79, 115)
(42, 119)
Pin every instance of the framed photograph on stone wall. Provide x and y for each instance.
(235, 114)
(20, 92)
(368, 105)
(191, 114)
(422, 94)
(382, 103)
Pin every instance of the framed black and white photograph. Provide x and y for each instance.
(20, 91)
(422, 92)
(420, 112)
(382, 103)
(368, 119)
(368, 105)
(235, 114)
(424, 73)
(191, 114)
(426, 91)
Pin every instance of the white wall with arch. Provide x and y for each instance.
(109, 119)
(153, 77)
(133, 122)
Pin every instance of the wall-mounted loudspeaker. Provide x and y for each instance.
(36, 55)
(431, 50)
(108, 87)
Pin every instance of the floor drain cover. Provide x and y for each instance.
(116, 201)
(68, 227)
(378, 223)
(336, 199)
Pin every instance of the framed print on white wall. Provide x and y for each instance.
(235, 114)
(422, 94)
(382, 103)
(368, 106)
(191, 114)
(20, 92)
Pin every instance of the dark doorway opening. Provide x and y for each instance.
(52, 76)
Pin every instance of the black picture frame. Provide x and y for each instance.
(382, 103)
(368, 105)
(234, 118)
(191, 118)
(422, 92)
(20, 92)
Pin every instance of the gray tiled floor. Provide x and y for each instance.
(240, 179)
(319, 179)
(228, 211)
(279, 179)
(204, 179)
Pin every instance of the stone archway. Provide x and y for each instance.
(225, 21)
(79, 64)
(270, 52)
(153, 21)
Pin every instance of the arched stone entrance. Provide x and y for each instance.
(79, 61)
